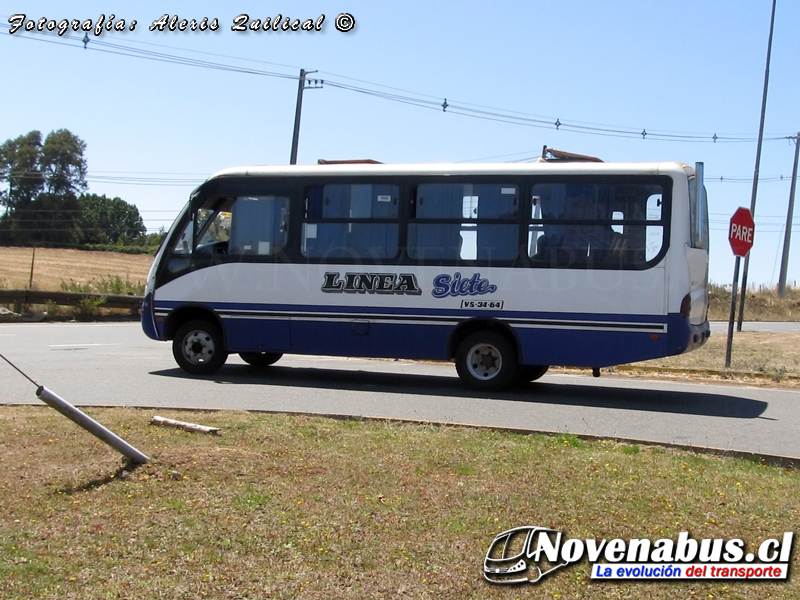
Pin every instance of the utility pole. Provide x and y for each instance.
(789, 216)
(313, 84)
(758, 162)
(33, 259)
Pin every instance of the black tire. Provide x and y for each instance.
(487, 361)
(531, 372)
(260, 359)
(198, 347)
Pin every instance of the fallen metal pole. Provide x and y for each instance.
(90, 425)
(183, 425)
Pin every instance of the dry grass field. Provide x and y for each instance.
(762, 304)
(775, 354)
(282, 506)
(54, 266)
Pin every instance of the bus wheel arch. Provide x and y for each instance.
(467, 328)
(183, 315)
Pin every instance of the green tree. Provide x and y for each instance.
(63, 164)
(21, 175)
(108, 220)
(39, 187)
(52, 220)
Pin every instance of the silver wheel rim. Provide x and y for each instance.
(484, 362)
(198, 347)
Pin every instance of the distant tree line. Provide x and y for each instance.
(43, 195)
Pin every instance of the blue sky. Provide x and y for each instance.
(155, 129)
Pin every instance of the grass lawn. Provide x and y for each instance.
(302, 507)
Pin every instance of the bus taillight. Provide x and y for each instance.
(686, 306)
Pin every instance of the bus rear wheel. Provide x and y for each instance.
(487, 361)
(198, 348)
(260, 359)
(531, 372)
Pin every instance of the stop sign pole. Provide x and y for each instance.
(740, 235)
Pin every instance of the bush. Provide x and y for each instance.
(111, 285)
(89, 308)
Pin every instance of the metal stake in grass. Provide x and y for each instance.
(84, 420)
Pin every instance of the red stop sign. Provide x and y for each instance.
(741, 231)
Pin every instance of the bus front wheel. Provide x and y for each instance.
(486, 361)
(198, 348)
(260, 359)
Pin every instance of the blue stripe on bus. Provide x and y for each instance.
(574, 347)
(427, 314)
(544, 338)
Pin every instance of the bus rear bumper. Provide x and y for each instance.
(692, 337)
(699, 335)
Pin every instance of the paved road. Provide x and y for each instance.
(103, 364)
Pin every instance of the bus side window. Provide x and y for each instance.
(654, 234)
(698, 216)
(495, 241)
(470, 223)
(607, 226)
(544, 236)
(437, 241)
(258, 225)
(320, 238)
(351, 221)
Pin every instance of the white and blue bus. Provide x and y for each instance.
(506, 269)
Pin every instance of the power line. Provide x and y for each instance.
(744, 179)
(120, 178)
(418, 99)
(173, 179)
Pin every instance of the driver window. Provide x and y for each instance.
(218, 229)
(243, 226)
